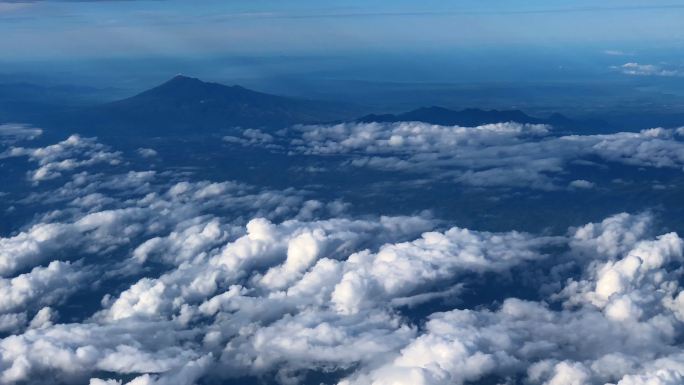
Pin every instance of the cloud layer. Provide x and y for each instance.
(134, 276)
(495, 155)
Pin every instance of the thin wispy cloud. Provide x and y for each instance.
(637, 69)
(444, 12)
(617, 52)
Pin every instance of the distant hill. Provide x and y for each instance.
(470, 117)
(189, 106)
(185, 105)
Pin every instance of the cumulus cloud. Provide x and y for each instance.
(73, 350)
(202, 281)
(279, 297)
(582, 184)
(14, 132)
(72, 153)
(42, 285)
(254, 137)
(618, 325)
(635, 286)
(92, 234)
(494, 155)
(103, 213)
(147, 152)
(400, 269)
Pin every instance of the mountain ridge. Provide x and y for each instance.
(185, 105)
(468, 117)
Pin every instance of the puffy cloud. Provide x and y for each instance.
(72, 153)
(618, 324)
(399, 270)
(407, 137)
(96, 221)
(280, 307)
(320, 295)
(201, 281)
(97, 381)
(504, 154)
(254, 137)
(12, 322)
(72, 351)
(42, 285)
(662, 371)
(94, 233)
(611, 237)
(660, 377)
(14, 132)
(44, 318)
(147, 152)
(288, 273)
(188, 240)
(582, 184)
(566, 347)
(316, 339)
(271, 257)
(653, 148)
(636, 286)
(289, 244)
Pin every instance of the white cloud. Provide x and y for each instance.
(615, 52)
(589, 341)
(12, 322)
(72, 153)
(306, 295)
(399, 270)
(494, 155)
(220, 280)
(147, 152)
(582, 184)
(40, 286)
(14, 132)
(636, 286)
(637, 69)
(43, 318)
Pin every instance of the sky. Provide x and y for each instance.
(92, 29)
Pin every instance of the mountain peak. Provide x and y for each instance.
(183, 83)
(187, 104)
(181, 79)
(181, 76)
(182, 87)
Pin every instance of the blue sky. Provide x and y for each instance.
(91, 29)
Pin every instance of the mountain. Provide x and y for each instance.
(189, 106)
(470, 117)
(185, 105)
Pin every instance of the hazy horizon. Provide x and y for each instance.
(354, 51)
